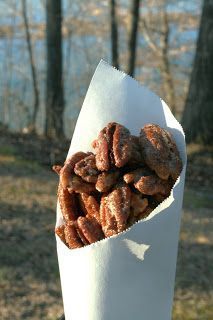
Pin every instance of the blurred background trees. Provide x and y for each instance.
(35, 106)
(132, 38)
(54, 127)
(198, 113)
(49, 51)
(114, 34)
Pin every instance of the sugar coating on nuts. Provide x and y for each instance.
(103, 193)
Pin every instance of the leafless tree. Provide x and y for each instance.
(159, 44)
(198, 114)
(165, 63)
(114, 34)
(132, 41)
(160, 60)
(32, 125)
(54, 80)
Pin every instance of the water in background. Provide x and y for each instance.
(82, 50)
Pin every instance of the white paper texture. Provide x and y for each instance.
(131, 275)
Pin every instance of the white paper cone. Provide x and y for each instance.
(131, 275)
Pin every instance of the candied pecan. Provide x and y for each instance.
(138, 204)
(152, 184)
(67, 203)
(90, 228)
(89, 205)
(81, 235)
(110, 229)
(106, 180)
(118, 203)
(136, 154)
(108, 222)
(68, 167)
(149, 163)
(57, 168)
(72, 237)
(160, 151)
(113, 146)
(142, 215)
(134, 175)
(103, 147)
(60, 233)
(147, 182)
(122, 146)
(80, 186)
(86, 169)
(102, 210)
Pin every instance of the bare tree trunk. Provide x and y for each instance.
(114, 34)
(32, 125)
(168, 84)
(7, 71)
(197, 117)
(132, 43)
(54, 82)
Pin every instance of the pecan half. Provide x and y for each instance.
(81, 235)
(113, 147)
(108, 222)
(147, 182)
(67, 203)
(138, 204)
(89, 205)
(103, 147)
(152, 185)
(102, 210)
(134, 175)
(160, 151)
(122, 146)
(86, 169)
(136, 158)
(80, 186)
(60, 232)
(68, 167)
(106, 180)
(57, 168)
(72, 237)
(90, 228)
(118, 203)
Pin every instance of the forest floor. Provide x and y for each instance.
(29, 277)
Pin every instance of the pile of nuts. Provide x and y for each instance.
(104, 193)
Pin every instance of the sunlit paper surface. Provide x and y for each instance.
(129, 276)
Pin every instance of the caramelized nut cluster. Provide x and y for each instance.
(103, 193)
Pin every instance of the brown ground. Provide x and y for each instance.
(29, 279)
